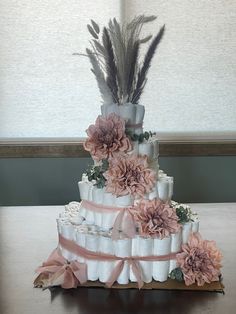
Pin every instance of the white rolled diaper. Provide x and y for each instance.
(146, 148)
(113, 108)
(128, 112)
(176, 242)
(123, 249)
(82, 211)
(135, 246)
(163, 188)
(108, 199)
(97, 218)
(186, 230)
(84, 190)
(195, 226)
(161, 268)
(97, 195)
(89, 217)
(156, 149)
(171, 187)
(105, 245)
(80, 240)
(146, 249)
(91, 243)
(173, 265)
(134, 252)
(105, 267)
(108, 220)
(68, 231)
(107, 109)
(140, 111)
(124, 201)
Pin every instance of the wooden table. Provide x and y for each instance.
(28, 235)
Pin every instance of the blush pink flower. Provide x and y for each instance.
(155, 218)
(107, 137)
(200, 261)
(129, 174)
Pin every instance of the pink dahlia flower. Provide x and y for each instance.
(200, 261)
(155, 218)
(129, 175)
(107, 137)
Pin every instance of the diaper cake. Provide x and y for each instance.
(126, 229)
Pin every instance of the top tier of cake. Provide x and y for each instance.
(133, 114)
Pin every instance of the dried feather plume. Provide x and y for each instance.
(120, 75)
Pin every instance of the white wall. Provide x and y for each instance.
(47, 92)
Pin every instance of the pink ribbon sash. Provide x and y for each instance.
(57, 266)
(133, 261)
(124, 220)
(99, 207)
(137, 270)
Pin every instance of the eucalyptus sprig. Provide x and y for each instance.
(183, 212)
(139, 137)
(96, 173)
(177, 274)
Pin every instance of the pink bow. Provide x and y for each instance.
(124, 220)
(57, 266)
(137, 270)
(126, 225)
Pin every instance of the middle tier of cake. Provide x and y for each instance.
(92, 197)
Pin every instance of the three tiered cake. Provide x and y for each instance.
(126, 227)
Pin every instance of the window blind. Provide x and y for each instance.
(47, 92)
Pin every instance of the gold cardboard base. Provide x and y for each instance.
(170, 284)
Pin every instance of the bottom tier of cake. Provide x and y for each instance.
(87, 253)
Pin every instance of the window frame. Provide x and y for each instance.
(74, 148)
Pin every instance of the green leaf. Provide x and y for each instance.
(184, 214)
(147, 135)
(96, 173)
(141, 138)
(177, 274)
(135, 137)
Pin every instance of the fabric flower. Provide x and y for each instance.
(107, 137)
(155, 218)
(129, 175)
(200, 261)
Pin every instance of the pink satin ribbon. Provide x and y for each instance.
(73, 273)
(133, 261)
(124, 221)
(127, 225)
(137, 270)
(99, 207)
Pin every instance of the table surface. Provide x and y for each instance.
(28, 235)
